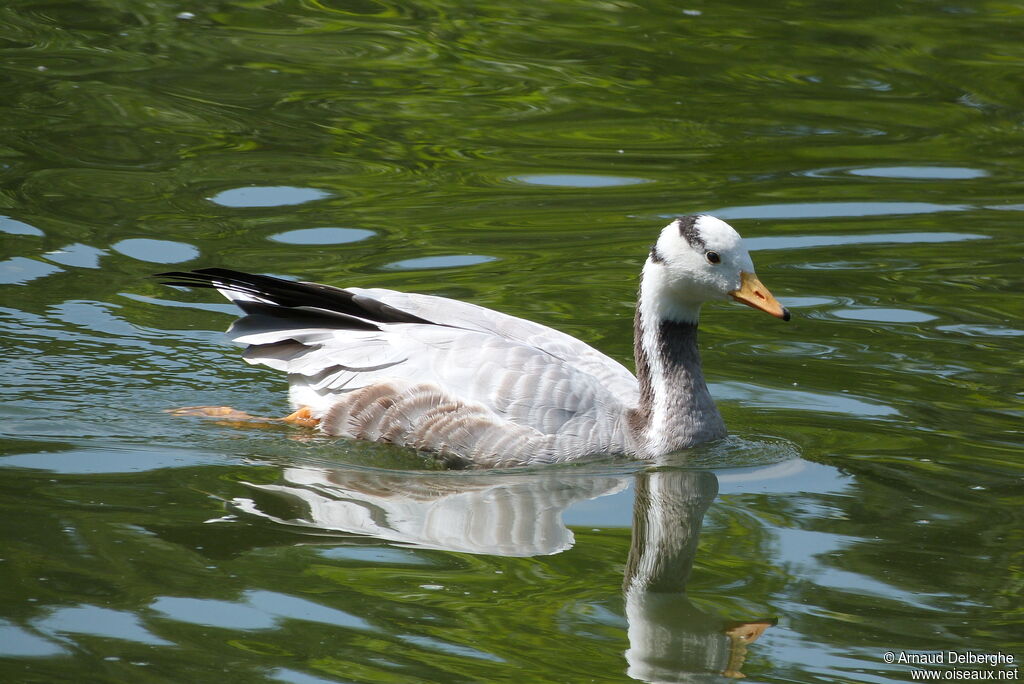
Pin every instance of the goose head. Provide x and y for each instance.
(699, 259)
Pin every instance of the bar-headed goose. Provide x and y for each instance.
(488, 389)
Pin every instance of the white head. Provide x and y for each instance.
(698, 259)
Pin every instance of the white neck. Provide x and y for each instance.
(657, 300)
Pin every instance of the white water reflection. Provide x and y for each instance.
(267, 196)
(577, 180)
(921, 172)
(982, 330)
(504, 515)
(20, 642)
(156, 251)
(14, 227)
(96, 621)
(258, 609)
(808, 210)
(322, 236)
(77, 255)
(754, 395)
(446, 261)
(806, 241)
(110, 460)
(880, 315)
(21, 270)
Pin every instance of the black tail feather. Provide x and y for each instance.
(290, 294)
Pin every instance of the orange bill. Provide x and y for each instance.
(753, 293)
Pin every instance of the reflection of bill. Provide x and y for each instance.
(520, 514)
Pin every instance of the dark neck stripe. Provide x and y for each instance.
(676, 345)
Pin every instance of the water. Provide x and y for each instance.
(523, 158)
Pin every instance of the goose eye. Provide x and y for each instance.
(713, 257)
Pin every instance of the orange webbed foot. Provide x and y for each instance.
(304, 417)
(222, 412)
(226, 415)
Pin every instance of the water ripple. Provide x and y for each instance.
(921, 172)
(806, 241)
(12, 227)
(267, 196)
(93, 620)
(77, 255)
(19, 642)
(809, 210)
(21, 270)
(974, 330)
(322, 236)
(577, 180)
(753, 395)
(156, 251)
(446, 261)
(881, 315)
(260, 609)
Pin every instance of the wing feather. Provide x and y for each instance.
(453, 312)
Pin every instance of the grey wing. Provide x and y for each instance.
(475, 394)
(612, 374)
(514, 380)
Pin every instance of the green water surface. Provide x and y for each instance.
(522, 156)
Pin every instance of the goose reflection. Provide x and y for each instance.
(521, 514)
(671, 639)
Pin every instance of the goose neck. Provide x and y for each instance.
(676, 409)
